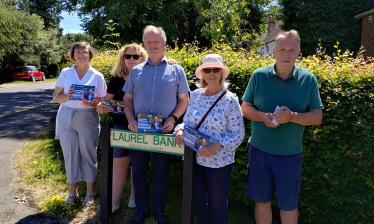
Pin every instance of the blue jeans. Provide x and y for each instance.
(161, 163)
(212, 186)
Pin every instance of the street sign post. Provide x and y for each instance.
(152, 142)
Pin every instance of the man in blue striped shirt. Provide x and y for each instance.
(156, 88)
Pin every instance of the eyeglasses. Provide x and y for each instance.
(82, 52)
(134, 56)
(208, 70)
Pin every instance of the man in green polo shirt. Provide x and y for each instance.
(275, 145)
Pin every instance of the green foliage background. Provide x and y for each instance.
(328, 21)
(24, 40)
(338, 172)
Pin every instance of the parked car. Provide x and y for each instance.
(28, 73)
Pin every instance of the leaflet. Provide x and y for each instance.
(115, 106)
(149, 123)
(275, 111)
(195, 139)
(83, 91)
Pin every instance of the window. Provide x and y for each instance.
(33, 68)
(370, 18)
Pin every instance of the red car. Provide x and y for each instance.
(28, 73)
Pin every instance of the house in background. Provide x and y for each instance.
(269, 39)
(366, 13)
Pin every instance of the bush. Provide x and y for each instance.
(54, 207)
(338, 167)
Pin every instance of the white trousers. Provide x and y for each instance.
(78, 131)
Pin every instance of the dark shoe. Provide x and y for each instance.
(139, 217)
(161, 218)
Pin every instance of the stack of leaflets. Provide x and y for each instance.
(149, 123)
(84, 91)
(194, 139)
(116, 107)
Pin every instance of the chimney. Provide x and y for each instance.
(271, 25)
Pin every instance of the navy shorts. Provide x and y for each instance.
(120, 152)
(268, 172)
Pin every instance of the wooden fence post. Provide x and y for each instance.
(106, 174)
(188, 186)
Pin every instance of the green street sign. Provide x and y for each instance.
(153, 142)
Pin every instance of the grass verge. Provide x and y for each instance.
(41, 165)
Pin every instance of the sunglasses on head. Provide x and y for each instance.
(134, 56)
(208, 70)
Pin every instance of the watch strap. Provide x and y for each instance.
(175, 118)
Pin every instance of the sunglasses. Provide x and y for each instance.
(208, 70)
(134, 56)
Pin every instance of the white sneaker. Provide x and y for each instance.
(114, 207)
(132, 202)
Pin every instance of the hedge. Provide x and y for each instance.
(338, 168)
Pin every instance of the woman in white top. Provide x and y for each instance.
(224, 124)
(77, 122)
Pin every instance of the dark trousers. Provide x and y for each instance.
(212, 186)
(161, 163)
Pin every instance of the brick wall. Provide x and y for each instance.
(367, 38)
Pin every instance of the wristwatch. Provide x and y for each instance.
(174, 117)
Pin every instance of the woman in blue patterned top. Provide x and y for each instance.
(224, 124)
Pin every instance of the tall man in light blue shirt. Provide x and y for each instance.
(154, 87)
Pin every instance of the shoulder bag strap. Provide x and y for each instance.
(203, 119)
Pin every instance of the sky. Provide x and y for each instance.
(71, 23)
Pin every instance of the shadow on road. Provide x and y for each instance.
(14, 101)
(38, 219)
(27, 124)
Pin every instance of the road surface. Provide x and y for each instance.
(25, 109)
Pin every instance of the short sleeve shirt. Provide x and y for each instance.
(155, 87)
(115, 87)
(266, 90)
(69, 76)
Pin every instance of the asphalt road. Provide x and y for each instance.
(18, 97)
(25, 110)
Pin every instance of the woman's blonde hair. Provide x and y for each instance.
(78, 45)
(120, 69)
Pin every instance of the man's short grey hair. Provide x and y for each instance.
(292, 34)
(150, 28)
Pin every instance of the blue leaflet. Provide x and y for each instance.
(83, 91)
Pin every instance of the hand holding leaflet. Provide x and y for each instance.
(194, 139)
(115, 106)
(149, 123)
(84, 91)
(275, 111)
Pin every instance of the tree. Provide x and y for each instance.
(235, 21)
(48, 10)
(10, 29)
(176, 17)
(73, 37)
(274, 11)
(329, 21)
(24, 40)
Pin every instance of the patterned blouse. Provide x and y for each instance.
(224, 124)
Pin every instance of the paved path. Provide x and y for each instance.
(25, 110)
